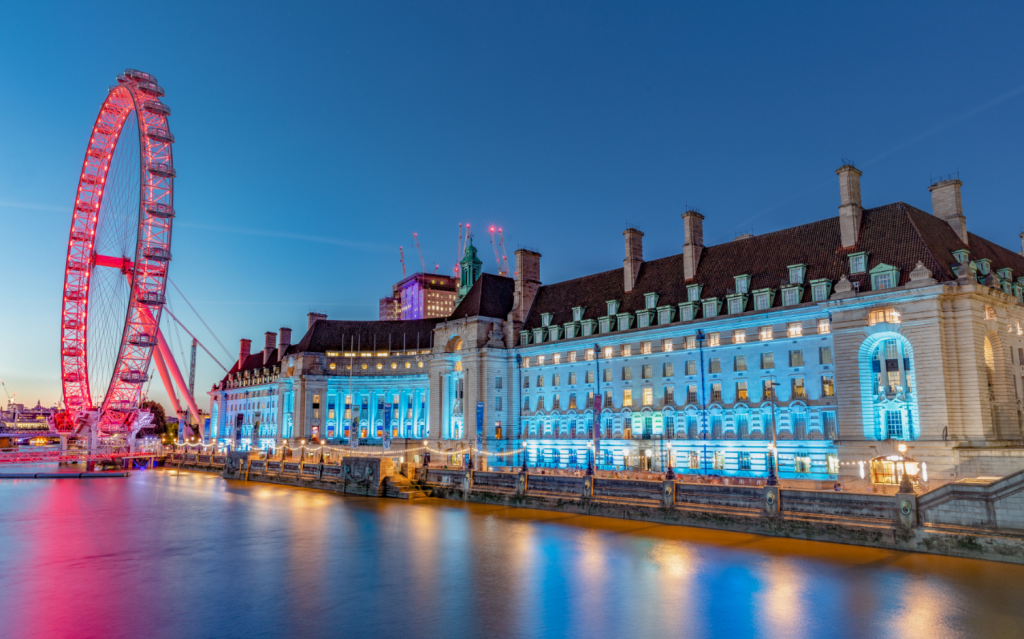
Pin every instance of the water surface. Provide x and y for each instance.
(167, 554)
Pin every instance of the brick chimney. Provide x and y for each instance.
(634, 257)
(244, 347)
(313, 317)
(946, 205)
(269, 340)
(850, 210)
(527, 284)
(284, 341)
(693, 232)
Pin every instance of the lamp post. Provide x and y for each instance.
(773, 477)
(590, 459)
(519, 385)
(670, 474)
(905, 485)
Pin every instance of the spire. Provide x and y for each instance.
(470, 269)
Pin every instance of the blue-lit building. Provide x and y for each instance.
(837, 340)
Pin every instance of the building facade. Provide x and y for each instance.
(830, 343)
(420, 296)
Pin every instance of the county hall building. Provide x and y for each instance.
(842, 337)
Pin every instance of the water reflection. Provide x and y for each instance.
(164, 554)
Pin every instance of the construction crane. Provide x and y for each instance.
(459, 251)
(416, 239)
(504, 256)
(401, 256)
(192, 370)
(497, 260)
(10, 397)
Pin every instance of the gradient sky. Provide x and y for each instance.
(312, 140)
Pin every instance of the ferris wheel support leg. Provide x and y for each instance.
(161, 345)
(165, 377)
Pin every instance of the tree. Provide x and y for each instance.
(159, 424)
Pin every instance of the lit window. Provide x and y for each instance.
(689, 342)
(419, 364)
(645, 348)
(648, 396)
(741, 391)
(607, 352)
(828, 386)
(716, 391)
(556, 358)
(627, 350)
(540, 360)
(739, 336)
(666, 344)
(572, 356)
(764, 333)
(526, 362)
(794, 329)
(886, 315)
(589, 354)
(627, 397)
(824, 326)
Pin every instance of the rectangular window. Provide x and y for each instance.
(497, 403)
(693, 293)
(828, 386)
(767, 361)
(627, 372)
(719, 460)
(556, 358)
(645, 348)
(714, 339)
(627, 397)
(589, 355)
(691, 394)
(893, 379)
(744, 461)
(497, 382)
(666, 345)
(894, 424)
(799, 390)
(716, 391)
(646, 371)
(739, 363)
(590, 377)
(802, 464)
(648, 396)
(666, 369)
(540, 381)
(741, 391)
(572, 356)
(670, 395)
(832, 463)
(857, 263)
(825, 355)
(828, 423)
(791, 297)
(572, 379)
(685, 313)
(540, 403)
(710, 309)
(607, 399)
(627, 350)
(885, 315)
(607, 375)
(715, 365)
(761, 301)
(735, 305)
(526, 404)
(883, 281)
(796, 358)
(819, 292)
(689, 342)
(572, 400)
(739, 336)
(694, 461)
(824, 326)
(556, 380)
(764, 333)
(794, 329)
(540, 360)
(767, 390)
(590, 399)
(1020, 356)
(691, 367)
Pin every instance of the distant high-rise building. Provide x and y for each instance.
(420, 296)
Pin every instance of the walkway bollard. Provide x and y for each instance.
(668, 493)
(772, 503)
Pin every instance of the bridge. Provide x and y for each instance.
(73, 455)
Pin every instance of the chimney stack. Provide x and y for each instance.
(634, 257)
(693, 232)
(269, 340)
(850, 210)
(244, 347)
(313, 317)
(284, 341)
(527, 284)
(946, 205)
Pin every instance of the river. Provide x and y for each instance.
(168, 554)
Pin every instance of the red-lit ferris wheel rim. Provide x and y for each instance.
(136, 93)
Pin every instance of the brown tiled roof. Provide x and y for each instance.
(490, 296)
(895, 234)
(339, 335)
(253, 362)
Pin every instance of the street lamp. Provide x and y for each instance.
(670, 474)
(590, 459)
(703, 400)
(773, 460)
(905, 485)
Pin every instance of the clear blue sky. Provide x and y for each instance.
(314, 139)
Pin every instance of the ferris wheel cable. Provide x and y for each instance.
(200, 319)
(184, 328)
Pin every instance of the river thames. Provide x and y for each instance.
(167, 554)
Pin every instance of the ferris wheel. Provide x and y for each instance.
(118, 256)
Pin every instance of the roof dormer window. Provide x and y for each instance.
(1005, 273)
(650, 301)
(796, 273)
(961, 256)
(884, 276)
(693, 292)
(763, 299)
(742, 283)
(711, 307)
(858, 262)
(545, 319)
(577, 313)
(820, 289)
(613, 307)
(984, 265)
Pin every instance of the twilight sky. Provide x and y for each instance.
(312, 140)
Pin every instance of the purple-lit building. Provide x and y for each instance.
(420, 296)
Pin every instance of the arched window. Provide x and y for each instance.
(887, 387)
